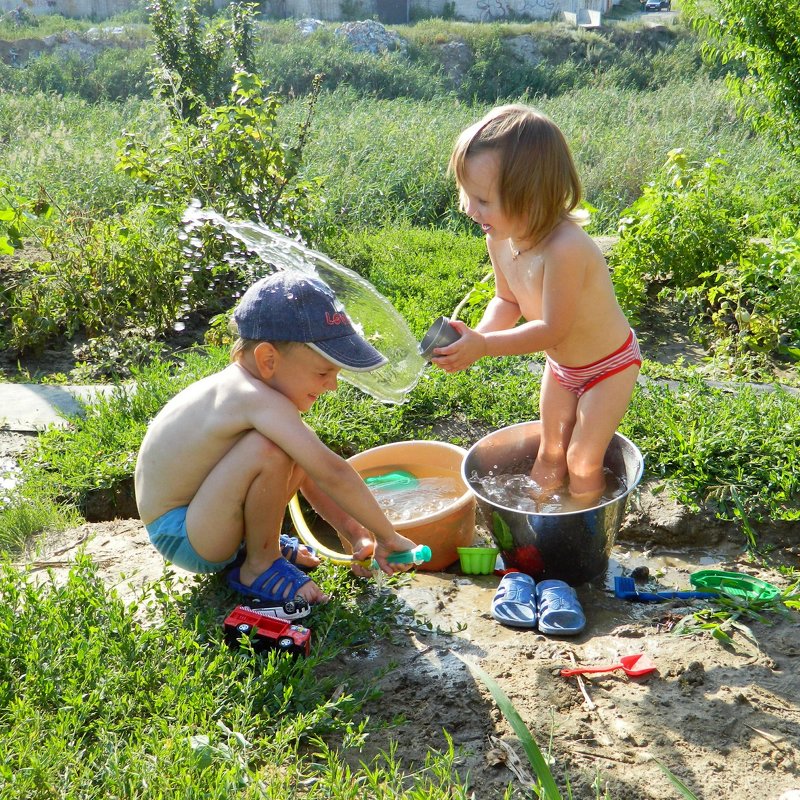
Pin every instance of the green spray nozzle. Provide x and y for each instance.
(419, 555)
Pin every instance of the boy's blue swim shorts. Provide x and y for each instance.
(168, 535)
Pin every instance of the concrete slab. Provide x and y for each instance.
(29, 408)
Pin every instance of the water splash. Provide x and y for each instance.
(373, 316)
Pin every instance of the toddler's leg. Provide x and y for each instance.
(557, 412)
(599, 413)
(244, 498)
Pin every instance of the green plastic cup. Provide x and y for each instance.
(477, 560)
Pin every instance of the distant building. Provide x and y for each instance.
(392, 12)
(395, 12)
(79, 9)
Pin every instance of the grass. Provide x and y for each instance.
(52, 144)
(96, 704)
(620, 138)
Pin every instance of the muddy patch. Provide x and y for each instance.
(724, 718)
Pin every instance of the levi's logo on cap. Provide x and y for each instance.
(337, 318)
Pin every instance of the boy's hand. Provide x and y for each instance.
(397, 545)
(369, 550)
(463, 352)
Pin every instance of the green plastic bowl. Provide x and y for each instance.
(477, 560)
(734, 584)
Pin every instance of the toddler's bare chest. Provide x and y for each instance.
(525, 278)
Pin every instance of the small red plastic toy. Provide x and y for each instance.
(268, 632)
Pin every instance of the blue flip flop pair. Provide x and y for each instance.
(551, 605)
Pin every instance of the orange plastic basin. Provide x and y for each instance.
(445, 530)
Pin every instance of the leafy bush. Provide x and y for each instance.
(15, 212)
(229, 157)
(753, 304)
(681, 229)
(761, 39)
(101, 276)
(198, 59)
(118, 74)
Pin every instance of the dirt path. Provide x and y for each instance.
(725, 719)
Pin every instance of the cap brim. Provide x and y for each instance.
(350, 352)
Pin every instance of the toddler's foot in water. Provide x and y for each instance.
(548, 476)
(583, 500)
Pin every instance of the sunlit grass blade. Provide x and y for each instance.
(537, 760)
(677, 783)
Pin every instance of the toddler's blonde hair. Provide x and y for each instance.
(538, 180)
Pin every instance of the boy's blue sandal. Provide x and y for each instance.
(290, 548)
(560, 612)
(277, 584)
(514, 601)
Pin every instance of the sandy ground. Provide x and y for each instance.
(725, 719)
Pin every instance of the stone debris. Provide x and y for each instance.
(371, 37)
(308, 25)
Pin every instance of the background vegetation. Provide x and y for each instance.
(98, 160)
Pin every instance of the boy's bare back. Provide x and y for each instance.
(192, 433)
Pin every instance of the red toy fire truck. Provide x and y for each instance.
(267, 632)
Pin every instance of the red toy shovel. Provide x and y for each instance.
(633, 666)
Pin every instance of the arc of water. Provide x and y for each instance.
(375, 318)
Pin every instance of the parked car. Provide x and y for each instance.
(266, 632)
(658, 5)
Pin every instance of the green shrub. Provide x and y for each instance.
(230, 157)
(101, 277)
(682, 228)
(753, 304)
(198, 59)
(119, 74)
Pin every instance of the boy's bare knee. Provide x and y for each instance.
(265, 452)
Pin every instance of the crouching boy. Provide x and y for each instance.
(222, 459)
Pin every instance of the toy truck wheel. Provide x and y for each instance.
(296, 606)
(244, 628)
(285, 643)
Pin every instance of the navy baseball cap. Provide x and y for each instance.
(289, 306)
